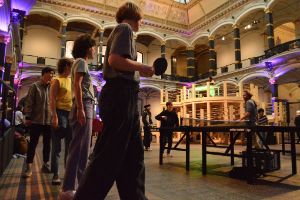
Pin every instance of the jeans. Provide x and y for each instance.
(63, 131)
(166, 137)
(79, 147)
(119, 153)
(35, 131)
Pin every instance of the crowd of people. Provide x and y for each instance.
(61, 108)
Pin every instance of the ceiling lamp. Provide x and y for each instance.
(223, 38)
(1, 3)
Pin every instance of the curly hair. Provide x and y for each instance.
(129, 11)
(82, 45)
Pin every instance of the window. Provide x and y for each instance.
(140, 57)
(69, 48)
(183, 1)
(103, 52)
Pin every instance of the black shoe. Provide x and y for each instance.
(46, 168)
(56, 180)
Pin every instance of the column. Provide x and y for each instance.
(63, 39)
(237, 47)
(297, 32)
(163, 49)
(297, 29)
(212, 57)
(4, 40)
(101, 32)
(274, 91)
(190, 62)
(270, 28)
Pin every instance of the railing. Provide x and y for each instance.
(48, 61)
(282, 48)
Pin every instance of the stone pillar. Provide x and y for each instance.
(101, 32)
(212, 57)
(190, 62)
(237, 47)
(63, 39)
(270, 28)
(163, 49)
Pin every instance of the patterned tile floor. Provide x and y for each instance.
(169, 181)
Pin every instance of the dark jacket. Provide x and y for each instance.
(37, 106)
(171, 121)
(146, 118)
(297, 121)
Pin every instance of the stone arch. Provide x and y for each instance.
(155, 35)
(250, 10)
(84, 19)
(253, 75)
(194, 41)
(220, 25)
(57, 15)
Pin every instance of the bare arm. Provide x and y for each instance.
(53, 93)
(246, 116)
(124, 64)
(78, 89)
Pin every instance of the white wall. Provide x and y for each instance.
(284, 33)
(252, 45)
(225, 53)
(41, 41)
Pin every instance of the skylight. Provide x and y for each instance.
(183, 1)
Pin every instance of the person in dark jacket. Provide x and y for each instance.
(169, 119)
(147, 121)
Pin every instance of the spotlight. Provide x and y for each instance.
(223, 38)
(269, 66)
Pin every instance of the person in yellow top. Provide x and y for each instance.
(60, 104)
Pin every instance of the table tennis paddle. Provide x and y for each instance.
(160, 66)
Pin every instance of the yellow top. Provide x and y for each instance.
(64, 94)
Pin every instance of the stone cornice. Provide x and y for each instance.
(107, 11)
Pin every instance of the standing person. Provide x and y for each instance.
(60, 104)
(38, 117)
(81, 115)
(147, 121)
(261, 121)
(119, 154)
(250, 109)
(169, 119)
(297, 123)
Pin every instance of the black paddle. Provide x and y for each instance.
(160, 66)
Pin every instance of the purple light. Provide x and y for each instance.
(22, 5)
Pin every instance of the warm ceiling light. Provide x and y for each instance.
(223, 38)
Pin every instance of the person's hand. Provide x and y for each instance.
(54, 121)
(28, 122)
(81, 116)
(146, 71)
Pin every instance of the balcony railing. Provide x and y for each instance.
(288, 46)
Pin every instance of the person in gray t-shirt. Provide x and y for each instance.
(118, 154)
(250, 109)
(81, 114)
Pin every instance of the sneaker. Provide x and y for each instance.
(56, 180)
(67, 195)
(149, 149)
(146, 149)
(46, 168)
(28, 171)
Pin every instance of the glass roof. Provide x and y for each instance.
(183, 1)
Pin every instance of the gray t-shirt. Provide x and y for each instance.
(80, 65)
(251, 108)
(121, 42)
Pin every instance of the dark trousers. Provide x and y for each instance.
(63, 131)
(166, 137)
(147, 136)
(118, 154)
(35, 131)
